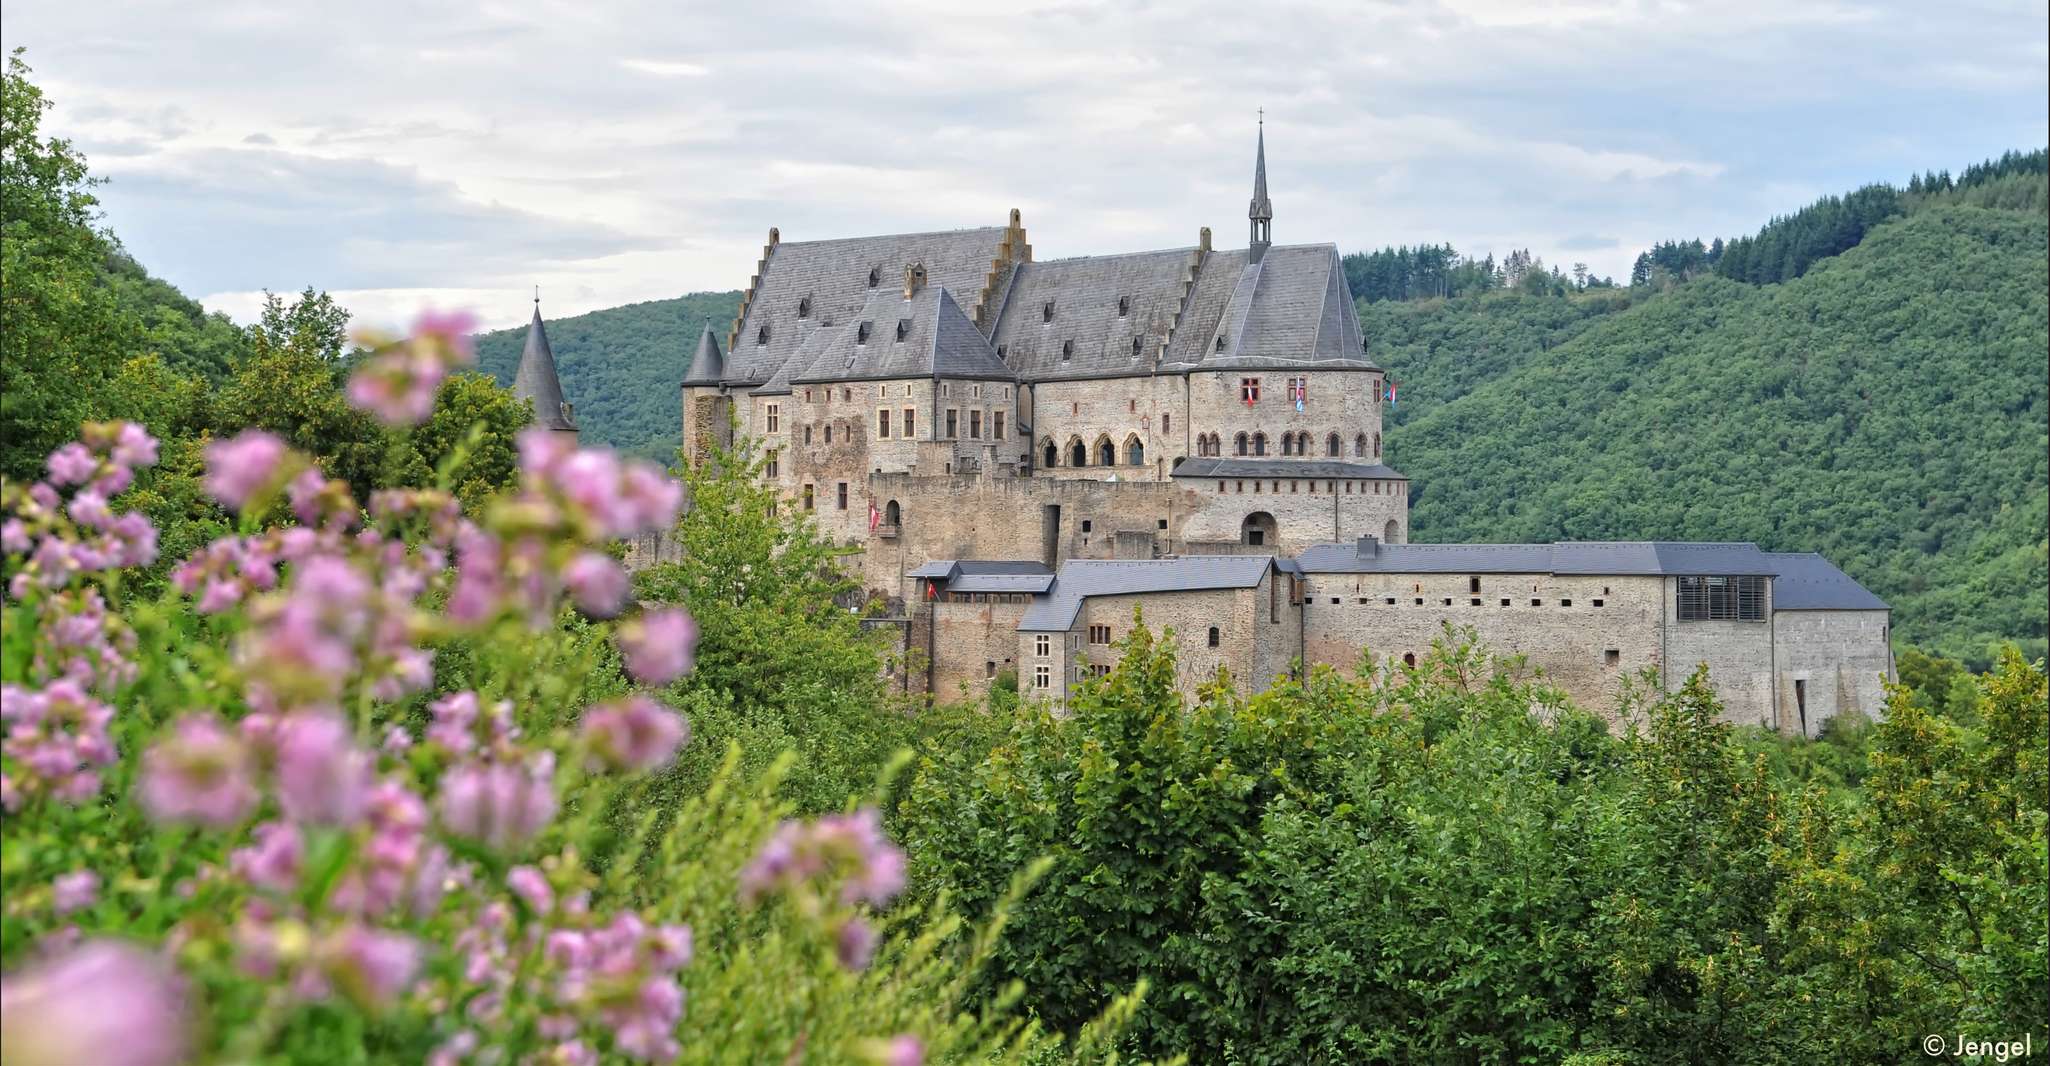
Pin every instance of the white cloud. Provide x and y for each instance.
(666, 68)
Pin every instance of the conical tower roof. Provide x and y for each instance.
(536, 380)
(707, 364)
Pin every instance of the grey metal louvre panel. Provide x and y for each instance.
(1081, 579)
(1805, 581)
(1284, 468)
(834, 275)
(1085, 294)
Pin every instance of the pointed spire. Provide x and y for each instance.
(1261, 211)
(707, 365)
(536, 380)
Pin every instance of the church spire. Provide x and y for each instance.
(535, 380)
(1261, 212)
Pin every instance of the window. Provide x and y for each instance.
(846, 395)
(1135, 453)
(1106, 453)
(1359, 446)
(807, 434)
(1099, 634)
(975, 425)
(1598, 603)
(1505, 601)
(1409, 658)
(1042, 676)
(861, 332)
(1042, 646)
(909, 416)
(804, 307)
(1302, 443)
(1124, 306)
(1287, 444)
(875, 274)
(829, 433)
(989, 668)
(1137, 344)
(1213, 636)
(762, 334)
(1078, 453)
(1260, 444)
(769, 463)
(1473, 584)
(1331, 447)
(1566, 603)
(775, 412)
(975, 390)
(1046, 311)
(1163, 521)
(1067, 350)
(1088, 525)
(996, 425)
(1166, 422)
(1537, 603)
(946, 389)
(1238, 444)
(807, 498)
(903, 329)
(842, 498)
(953, 423)
(1249, 388)
(883, 425)
(1716, 599)
(1612, 656)
(1377, 445)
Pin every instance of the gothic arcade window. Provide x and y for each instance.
(1331, 446)
(1078, 453)
(1238, 444)
(1359, 446)
(1718, 599)
(1259, 444)
(1106, 453)
(1135, 453)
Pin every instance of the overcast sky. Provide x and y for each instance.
(399, 154)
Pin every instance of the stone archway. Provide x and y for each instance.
(1391, 534)
(1078, 452)
(1052, 453)
(1259, 530)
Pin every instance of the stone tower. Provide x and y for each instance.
(536, 381)
(1261, 212)
(707, 411)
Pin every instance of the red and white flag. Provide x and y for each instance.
(875, 517)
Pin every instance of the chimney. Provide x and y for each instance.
(1369, 547)
(914, 279)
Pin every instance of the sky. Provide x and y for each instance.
(404, 154)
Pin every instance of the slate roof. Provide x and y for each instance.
(1080, 579)
(1085, 293)
(535, 379)
(938, 341)
(1269, 468)
(1613, 558)
(1806, 581)
(987, 575)
(833, 275)
(707, 364)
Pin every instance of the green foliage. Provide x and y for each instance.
(1887, 409)
(620, 367)
(1442, 863)
(781, 664)
(474, 428)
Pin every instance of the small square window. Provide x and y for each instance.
(1420, 602)
(1537, 603)
(1505, 603)
(1163, 522)
(1598, 603)
(1565, 603)
(1086, 524)
(1612, 657)
(1473, 603)
(1391, 601)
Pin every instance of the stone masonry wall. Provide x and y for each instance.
(1739, 656)
(1842, 660)
(968, 640)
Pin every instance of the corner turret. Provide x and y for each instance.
(535, 381)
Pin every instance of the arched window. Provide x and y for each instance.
(1359, 446)
(892, 514)
(1239, 443)
(1106, 452)
(1377, 445)
(1259, 444)
(1078, 453)
(1332, 447)
(1388, 533)
(1124, 306)
(1220, 342)
(1135, 453)
(1287, 444)
(1302, 443)
(1213, 636)
(1046, 311)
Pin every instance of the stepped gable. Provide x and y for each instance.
(535, 380)
(707, 364)
(1085, 292)
(939, 341)
(828, 281)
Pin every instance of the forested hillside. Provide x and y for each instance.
(621, 367)
(1886, 408)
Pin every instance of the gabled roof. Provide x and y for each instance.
(1085, 294)
(536, 381)
(828, 281)
(987, 575)
(1270, 468)
(938, 341)
(1611, 558)
(707, 364)
(1290, 309)
(1805, 581)
(1081, 579)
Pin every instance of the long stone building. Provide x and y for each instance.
(1020, 451)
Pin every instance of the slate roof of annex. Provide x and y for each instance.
(1080, 579)
(1805, 581)
(987, 575)
(1230, 467)
(1613, 558)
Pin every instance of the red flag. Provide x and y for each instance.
(875, 517)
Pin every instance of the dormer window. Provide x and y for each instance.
(875, 274)
(1220, 342)
(1001, 349)
(1124, 306)
(903, 329)
(762, 334)
(804, 307)
(1067, 350)
(861, 333)
(1137, 343)
(1046, 311)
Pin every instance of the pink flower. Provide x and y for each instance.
(273, 861)
(58, 735)
(103, 1002)
(133, 446)
(200, 773)
(74, 891)
(73, 464)
(323, 777)
(856, 944)
(243, 470)
(372, 967)
(904, 1050)
(398, 385)
(635, 733)
(501, 805)
(451, 329)
(596, 583)
(455, 715)
(849, 848)
(532, 887)
(658, 646)
(14, 537)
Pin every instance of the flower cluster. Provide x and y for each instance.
(398, 382)
(103, 1002)
(63, 540)
(848, 851)
(58, 739)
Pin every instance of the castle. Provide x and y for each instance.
(1024, 450)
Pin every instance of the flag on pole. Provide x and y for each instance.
(1391, 392)
(875, 517)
